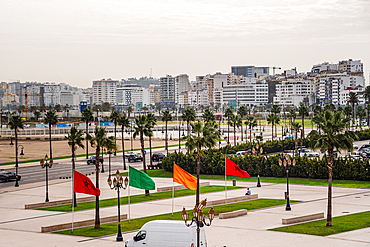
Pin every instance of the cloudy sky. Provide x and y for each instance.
(77, 41)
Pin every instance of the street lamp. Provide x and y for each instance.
(46, 164)
(179, 136)
(198, 217)
(102, 163)
(118, 184)
(257, 152)
(285, 162)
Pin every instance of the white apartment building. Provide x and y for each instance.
(292, 92)
(124, 94)
(51, 94)
(248, 93)
(318, 68)
(105, 90)
(154, 94)
(183, 83)
(351, 66)
(220, 80)
(140, 95)
(196, 98)
(169, 91)
(218, 97)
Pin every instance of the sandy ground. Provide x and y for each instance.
(36, 149)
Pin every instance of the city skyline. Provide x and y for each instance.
(76, 43)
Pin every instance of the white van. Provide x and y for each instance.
(167, 233)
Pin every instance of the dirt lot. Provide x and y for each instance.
(36, 149)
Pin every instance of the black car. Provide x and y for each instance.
(7, 176)
(92, 160)
(135, 157)
(158, 156)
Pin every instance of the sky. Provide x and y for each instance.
(78, 41)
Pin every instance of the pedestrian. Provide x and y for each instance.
(248, 192)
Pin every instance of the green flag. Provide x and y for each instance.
(141, 180)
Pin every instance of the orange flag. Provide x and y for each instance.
(182, 177)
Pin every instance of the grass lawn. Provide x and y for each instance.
(309, 181)
(344, 223)
(138, 198)
(135, 224)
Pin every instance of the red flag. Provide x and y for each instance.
(84, 185)
(233, 169)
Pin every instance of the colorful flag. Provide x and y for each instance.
(83, 184)
(141, 180)
(233, 169)
(182, 177)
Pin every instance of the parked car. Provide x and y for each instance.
(355, 146)
(162, 233)
(363, 147)
(128, 153)
(158, 156)
(308, 152)
(242, 153)
(91, 160)
(7, 176)
(288, 137)
(135, 157)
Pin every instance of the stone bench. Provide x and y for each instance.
(232, 200)
(304, 218)
(233, 214)
(83, 223)
(180, 187)
(58, 203)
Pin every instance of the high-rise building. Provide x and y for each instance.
(293, 91)
(351, 66)
(169, 86)
(105, 91)
(250, 71)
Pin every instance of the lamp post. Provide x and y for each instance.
(118, 183)
(219, 131)
(285, 162)
(16, 159)
(102, 163)
(198, 217)
(179, 136)
(257, 152)
(45, 164)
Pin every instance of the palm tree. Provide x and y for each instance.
(189, 116)
(87, 116)
(99, 140)
(206, 136)
(37, 115)
(367, 102)
(114, 116)
(141, 130)
(208, 115)
(295, 128)
(158, 107)
(330, 107)
(292, 116)
(303, 112)
(361, 113)
(242, 111)
(125, 123)
(228, 113)
(166, 117)
(251, 122)
(51, 119)
(129, 110)
(151, 122)
(347, 111)
(16, 123)
(271, 119)
(353, 99)
(331, 137)
(235, 121)
(74, 138)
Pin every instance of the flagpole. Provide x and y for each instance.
(129, 215)
(73, 198)
(225, 183)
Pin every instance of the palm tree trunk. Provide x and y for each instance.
(272, 130)
(228, 132)
(188, 126)
(115, 135)
(250, 135)
(87, 141)
(123, 149)
(143, 154)
(73, 169)
(150, 150)
(234, 135)
(330, 166)
(360, 123)
(166, 140)
(198, 172)
(97, 215)
(302, 131)
(296, 142)
(353, 114)
(51, 154)
(242, 130)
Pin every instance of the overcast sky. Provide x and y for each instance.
(79, 41)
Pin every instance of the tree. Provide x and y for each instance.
(236, 122)
(37, 115)
(141, 129)
(74, 139)
(166, 117)
(114, 116)
(16, 123)
(125, 123)
(367, 102)
(97, 108)
(99, 140)
(58, 108)
(228, 113)
(295, 128)
(51, 119)
(242, 111)
(330, 107)
(303, 112)
(105, 106)
(144, 109)
(360, 113)
(189, 116)
(271, 120)
(206, 136)
(251, 122)
(129, 111)
(208, 115)
(331, 138)
(87, 116)
(353, 100)
(158, 107)
(347, 111)
(151, 122)
(292, 115)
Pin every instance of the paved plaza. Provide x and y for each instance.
(20, 227)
